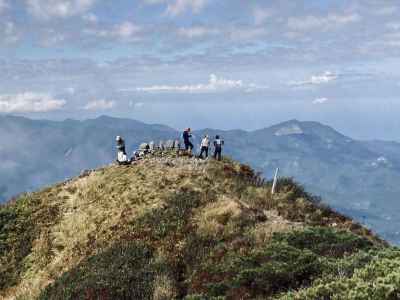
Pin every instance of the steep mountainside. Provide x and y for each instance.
(175, 227)
(359, 178)
(356, 177)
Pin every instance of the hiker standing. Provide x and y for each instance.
(205, 143)
(120, 144)
(121, 155)
(186, 139)
(218, 143)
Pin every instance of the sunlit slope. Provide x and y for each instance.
(172, 227)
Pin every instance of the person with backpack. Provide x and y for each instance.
(205, 143)
(218, 143)
(186, 140)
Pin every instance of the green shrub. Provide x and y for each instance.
(171, 218)
(17, 232)
(325, 241)
(263, 272)
(295, 190)
(125, 271)
(278, 267)
(345, 267)
(378, 280)
(202, 297)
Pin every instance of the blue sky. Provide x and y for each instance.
(205, 63)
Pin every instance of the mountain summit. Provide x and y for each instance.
(359, 178)
(173, 227)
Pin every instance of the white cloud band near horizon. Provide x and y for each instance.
(321, 100)
(326, 77)
(99, 105)
(29, 102)
(215, 84)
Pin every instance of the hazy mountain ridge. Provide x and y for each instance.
(360, 177)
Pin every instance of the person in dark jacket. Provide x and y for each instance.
(120, 144)
(186, 139)
(218, 143)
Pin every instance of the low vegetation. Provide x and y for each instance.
(178, 228)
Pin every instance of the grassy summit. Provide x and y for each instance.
(172, 227)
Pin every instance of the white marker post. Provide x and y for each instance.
(275, 180)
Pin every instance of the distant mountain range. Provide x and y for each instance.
(359, 178)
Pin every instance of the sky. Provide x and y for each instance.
(205, 63)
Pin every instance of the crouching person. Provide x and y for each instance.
(218, 143)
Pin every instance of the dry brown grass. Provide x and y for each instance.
(263, 232)
(164, 288)
(93, 210)
(93, 213)
(217, 220)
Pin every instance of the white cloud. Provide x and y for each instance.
(4, 5)
(9, 33)
(99, 105)
(29, 102)
(393, 25)
(215, 84)
(90, 18)
(385, 11)
(52, 38)
(47, 9)
(154, 1)
(328, 22)
(234, 33)
(316, 79)
(139, 105)
(247, 33)
(136, 104)
(261, 15)
(197, 32)
(124, 31)
(320, 100)
(70, 90)
(179, 7)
